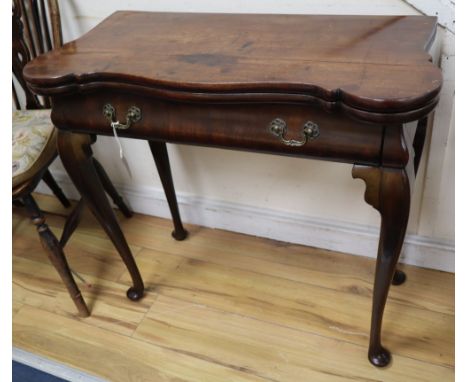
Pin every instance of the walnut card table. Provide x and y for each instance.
(337, 88)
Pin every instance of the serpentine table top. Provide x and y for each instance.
(363, 64)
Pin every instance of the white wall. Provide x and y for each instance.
(303, 201)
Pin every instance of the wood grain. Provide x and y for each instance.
(229, 125)
(274, 352)
(358, 60)
(225, 306)
(410, 331)
(428, 288)
(110, 309)
(88, 255)
(16, 306)
(114, 357)
(317, 267)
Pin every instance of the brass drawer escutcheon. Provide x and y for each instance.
(133, 116)
(278, 128)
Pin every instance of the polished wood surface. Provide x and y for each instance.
(388, 191)
(77, 158)
(222, 306)
(349, 82)
(234, 126)
(161, 159)
(375, 63)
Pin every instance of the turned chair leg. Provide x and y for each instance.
(55, 254)
(110, 189)
(161, 158)
(388, 191)
(52, 184)
(77, 158)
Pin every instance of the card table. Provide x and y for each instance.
(337, 88)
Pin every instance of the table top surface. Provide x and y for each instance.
(373, 63)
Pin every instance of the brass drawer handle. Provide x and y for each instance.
(278, 128)
(133, 115)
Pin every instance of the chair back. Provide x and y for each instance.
(36, 29)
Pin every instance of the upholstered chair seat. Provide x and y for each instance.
(34, 143)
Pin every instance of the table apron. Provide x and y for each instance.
(245, 126)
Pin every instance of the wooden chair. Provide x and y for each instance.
(34, 136)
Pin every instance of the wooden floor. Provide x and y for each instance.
(222, 306)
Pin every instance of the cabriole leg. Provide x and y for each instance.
(77, 157)
(388, 191)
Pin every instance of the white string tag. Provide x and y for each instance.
(121, 152)
(113, 124)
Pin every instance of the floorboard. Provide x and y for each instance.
(222, 306)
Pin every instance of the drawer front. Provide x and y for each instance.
(289, 129)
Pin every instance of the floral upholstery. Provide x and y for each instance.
(33, 136)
